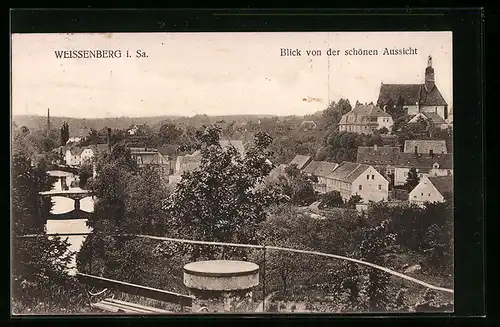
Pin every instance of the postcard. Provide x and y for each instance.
(209, 173)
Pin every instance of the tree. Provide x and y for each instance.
(353, 200)
(114, 172)
(412, 180)
(64, 133)
(344, 106)
(84, 173)
(332, 199)
(297, 186)
(219, 201)
(169, 133)
(39, 265)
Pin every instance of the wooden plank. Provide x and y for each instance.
(125, 307)
(138, 306)
(109, 308)
(133, 289)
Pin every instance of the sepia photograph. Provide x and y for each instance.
(245, 173)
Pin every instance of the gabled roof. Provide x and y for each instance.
(424, 161)
(362, 114)
(444, 184)
(348, 171)
(301, 161)
(324, 168)
(424, 146)
(409, 92)
(432, 98)
(311, 167)
(411, 95)
(429, 116)
(407, 160)
(382, 155)
(76, 150)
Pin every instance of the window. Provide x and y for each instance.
(373, 176)
(379, 187)
(421, 194)
(367, 177)
(360, 187)
(429, 194)
(414, 196)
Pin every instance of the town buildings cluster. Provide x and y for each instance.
(378, 171)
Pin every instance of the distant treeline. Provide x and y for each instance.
(38, 122)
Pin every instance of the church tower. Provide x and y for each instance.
(429, 75)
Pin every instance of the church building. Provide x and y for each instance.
(415, 98)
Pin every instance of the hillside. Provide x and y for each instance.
(36, 122)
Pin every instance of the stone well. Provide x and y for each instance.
(227, 281)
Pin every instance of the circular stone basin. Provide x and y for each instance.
(221, 275)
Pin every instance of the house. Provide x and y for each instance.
(301, 161)
(322, 171)
(276, 173)
(415, 98)
(432, 189)
(431, 118)
(73, 156)
(187, 163)
(365, 119)
(132, 130)
(425, 146)
(351, 178)
(310, 167)
(400, 163)
(147, 157)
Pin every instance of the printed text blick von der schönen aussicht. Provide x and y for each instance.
(296, 52)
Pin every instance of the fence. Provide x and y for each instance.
(281, 267)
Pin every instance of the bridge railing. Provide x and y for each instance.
(293, 273)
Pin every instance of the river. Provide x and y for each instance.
(62, 205)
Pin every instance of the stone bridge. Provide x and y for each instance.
(76, 195)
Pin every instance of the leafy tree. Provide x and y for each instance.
(84, 173)
(39, 265)
(376, 243)
(297, 186)
(332, 199)
(412, 180)
(169, 133)
(383, 130)
(353, 200)
(114, 171)
(64, 133)
(219, 201)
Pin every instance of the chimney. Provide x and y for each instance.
(108, 139)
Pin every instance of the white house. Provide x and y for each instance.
(365, 119)
(86, 156)
(72, 156)
(351, 178)
(432, 189)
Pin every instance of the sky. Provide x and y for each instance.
(185, 74)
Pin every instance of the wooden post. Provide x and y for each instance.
(264, 280)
